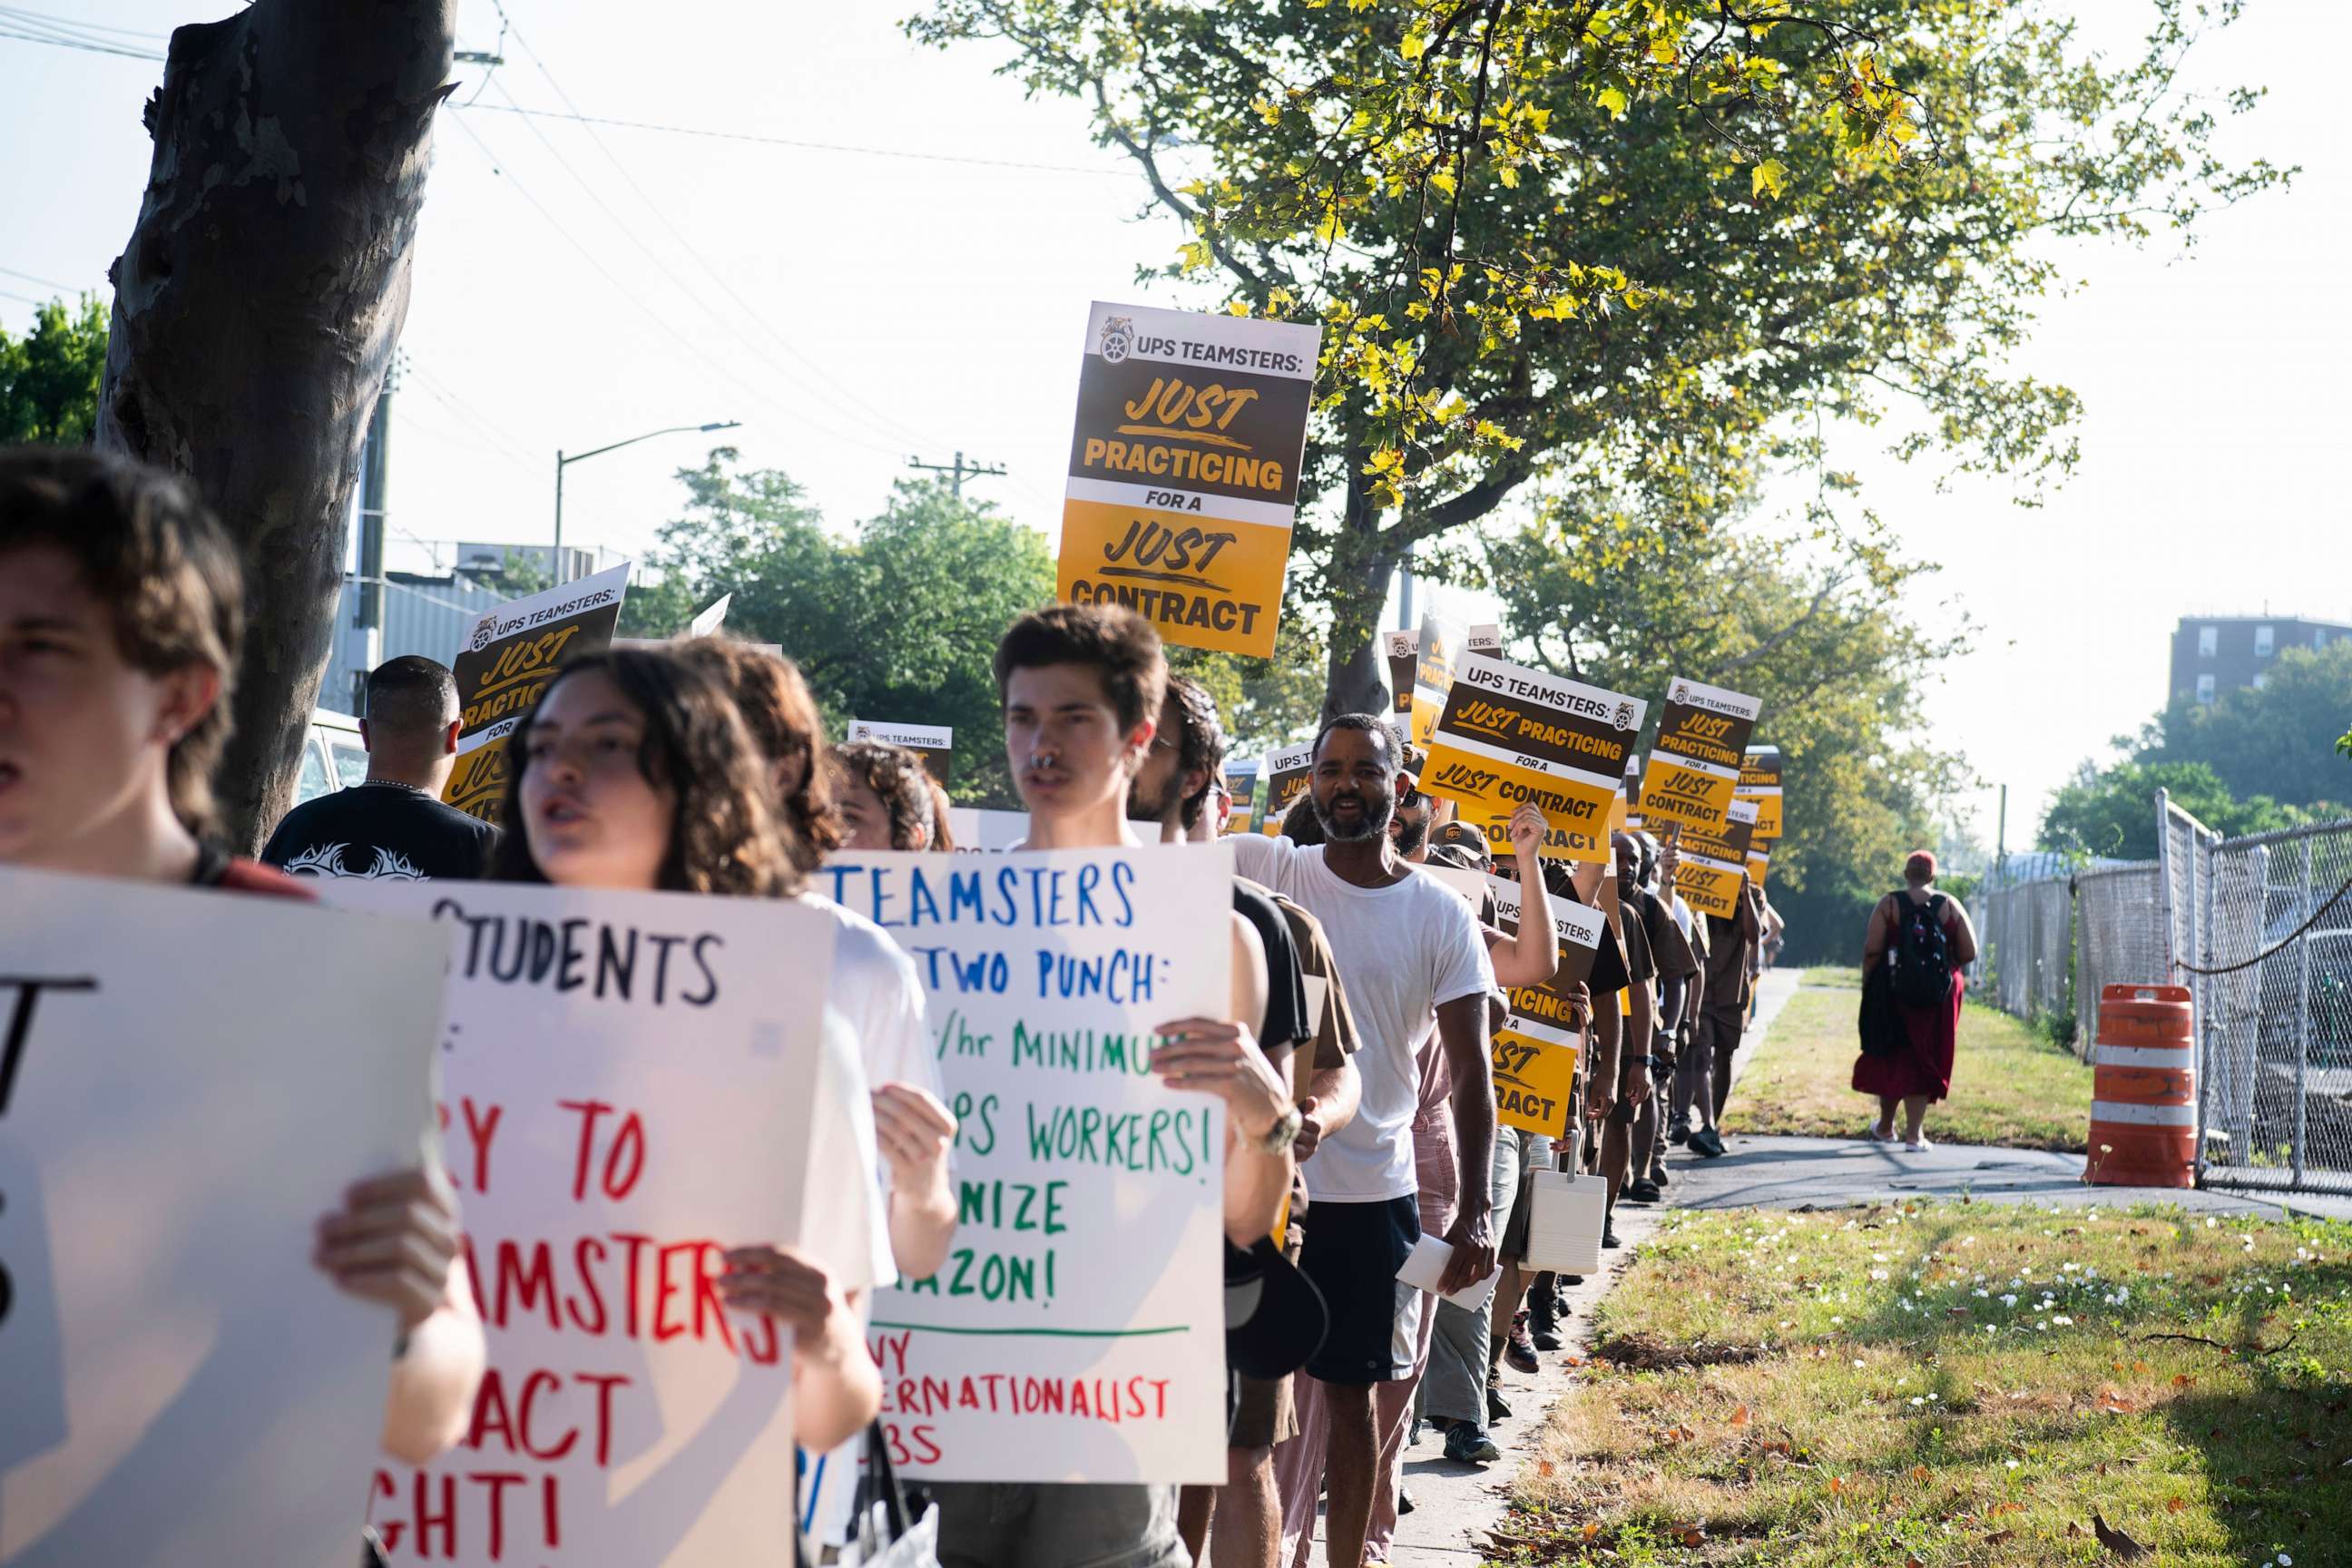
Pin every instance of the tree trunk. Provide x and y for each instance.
(256, 309)
(1357, 579)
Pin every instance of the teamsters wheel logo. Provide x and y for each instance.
(1681, 693)
(1624, 715)
(1118, 338)
(484, 629)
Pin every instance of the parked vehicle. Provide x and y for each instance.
(333, 756)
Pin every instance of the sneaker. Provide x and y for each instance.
(1404, 1500)
(1495, 1409)
(1707, 1141)
(1467, 1445)
(1643, 1191)
(1609, 1236)
(1518, 1351)
(1873, 1134)
(1571, 1280)
(1678, 1135)
(1658, 1177)
(1918, 1145)
(1544, 1333)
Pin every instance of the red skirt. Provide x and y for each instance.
(1925, 1064)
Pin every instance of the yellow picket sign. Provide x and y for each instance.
(1711, 869)
(1510, 736)
(1184, 477)
(511, 655)
(1694, 766)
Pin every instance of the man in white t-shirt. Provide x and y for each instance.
(1407, 947)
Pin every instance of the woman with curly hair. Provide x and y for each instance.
(875, 984)
(886, 796)
(636, 772)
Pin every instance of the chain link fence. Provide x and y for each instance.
(2275, 1036)
(2248, 926)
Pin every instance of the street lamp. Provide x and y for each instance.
(562, 462)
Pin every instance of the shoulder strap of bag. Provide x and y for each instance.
(884, 1478)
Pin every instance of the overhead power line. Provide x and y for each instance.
(806, 145)
(61, 41)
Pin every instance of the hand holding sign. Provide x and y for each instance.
(788, 1285)
(1220, 1058)
(393, 1241)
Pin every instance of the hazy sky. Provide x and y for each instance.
(854, 309)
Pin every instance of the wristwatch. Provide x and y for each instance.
(1279, 1136)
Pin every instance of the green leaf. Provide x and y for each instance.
(1613, 99)
(1771, 175)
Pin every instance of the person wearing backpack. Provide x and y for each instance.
(1923, 939)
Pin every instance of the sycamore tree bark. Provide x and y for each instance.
(256, 309)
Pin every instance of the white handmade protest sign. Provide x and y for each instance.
(178, 1383)
(629, 1081)
(1077, 1332)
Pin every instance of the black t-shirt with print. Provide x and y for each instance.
(1285, 1024)
(381, 831)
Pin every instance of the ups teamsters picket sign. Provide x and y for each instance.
(1760, 782)
(509, 657)
(1510, 736)
(1536, 1049)
(1695, 762)
(1184, 470)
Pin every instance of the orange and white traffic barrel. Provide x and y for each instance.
(2144, 1088)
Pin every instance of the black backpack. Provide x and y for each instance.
(1923, 954)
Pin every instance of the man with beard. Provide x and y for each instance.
(1407, 948)
(1180, 777)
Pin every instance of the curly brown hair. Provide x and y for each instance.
(898, 778)
(782, 713)
(156, 556)
(724, 836)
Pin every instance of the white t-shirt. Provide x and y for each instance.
(878, 999)
(1403, 951)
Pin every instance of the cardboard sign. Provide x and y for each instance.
(1509, 734)
(1695, 764)
(935, 743)
(1077, 1332)
(1403, 649)
(1241, 781)
(1437, 651)
(1760, 782)
(509, 657)
(1288, 774)
(712, 619)
(979, 830)
(1486, 638)
(178, 1383)
(1712, 870)
(1536, 1049)
(1184, 470)
(630, 1081)
(1758, 863)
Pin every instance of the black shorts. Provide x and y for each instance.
(1352, 1254)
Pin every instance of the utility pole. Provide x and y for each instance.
(2000, 842)
(375, 487)
(957, 470)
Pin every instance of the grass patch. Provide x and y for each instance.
(1936, 1384)
(1831, 975)
(2011, 1087)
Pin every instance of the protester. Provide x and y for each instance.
(1081, 688)
(392, 825)
(1675, 1052)
(1462, 1393)
(121, 619)
(1637, 1010)
(1638, 860)
(885, 796)
(635, 770)
(1174, 789)
(873, 984)
(1715, 1045)
(1925, 938)
(1407, 947)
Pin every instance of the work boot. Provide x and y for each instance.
(1495, 1409)
(1642, 1190)
(1543, 1325)
(1678, 1135)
